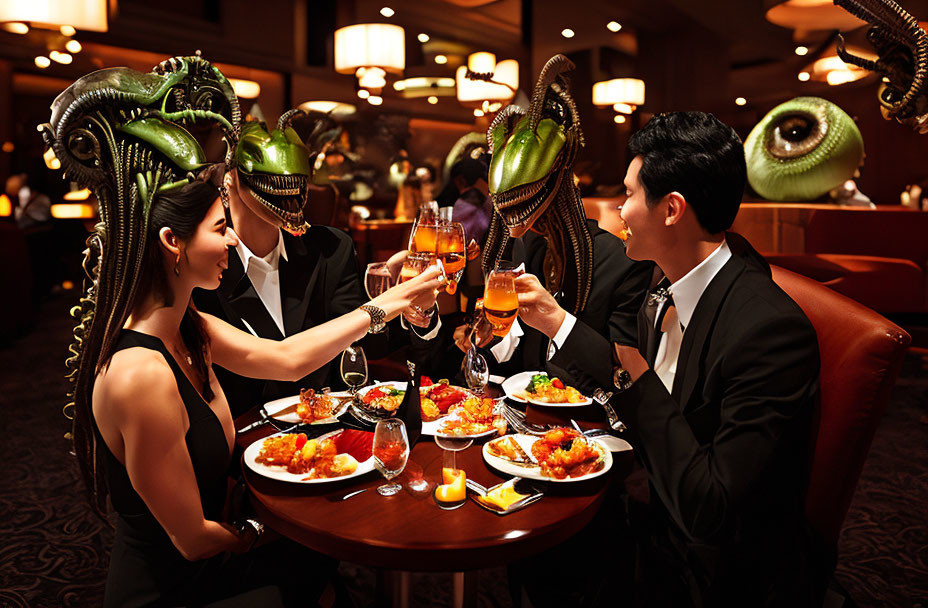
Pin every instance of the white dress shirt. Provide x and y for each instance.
(686, 294)
(264, 274)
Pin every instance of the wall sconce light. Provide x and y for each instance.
(81, 14)
(623, 94)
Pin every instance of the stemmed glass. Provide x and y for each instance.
(377, 279)
(416, 263)
(353, 368)
(500, 303)
(391, 450)
(450, 249)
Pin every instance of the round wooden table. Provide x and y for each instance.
(408, 531)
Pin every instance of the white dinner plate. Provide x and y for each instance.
(514, 387)
(400, 386)
(534, 471)
(281, 474)
(274, 409)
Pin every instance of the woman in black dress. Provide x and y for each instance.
(160, 427)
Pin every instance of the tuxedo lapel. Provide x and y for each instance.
(692, 349)
(244, 302)
(298, 277)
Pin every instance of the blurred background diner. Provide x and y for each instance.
(399, 96)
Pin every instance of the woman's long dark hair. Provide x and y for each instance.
(182, 211)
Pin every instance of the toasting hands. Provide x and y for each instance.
(537, 307)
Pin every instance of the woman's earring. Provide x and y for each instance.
(177, 265)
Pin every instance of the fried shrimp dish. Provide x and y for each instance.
(319, 458)
(314, 407)
(563, 453)
(386, 398)
(472, 417)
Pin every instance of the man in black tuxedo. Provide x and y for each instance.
(722, 384)
(278, 285)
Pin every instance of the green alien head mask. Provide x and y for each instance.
(273, 168)
(531, 184)
(802, 149)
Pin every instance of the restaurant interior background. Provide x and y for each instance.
(721, 56)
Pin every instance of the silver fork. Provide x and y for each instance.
(517, 420)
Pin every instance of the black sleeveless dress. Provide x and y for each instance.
(146, 569)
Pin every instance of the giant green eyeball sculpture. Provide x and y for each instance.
(802, 149)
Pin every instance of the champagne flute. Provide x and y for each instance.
(353, 368)
(377, 279)
(391, 450)
(500, 303)
(450, 249)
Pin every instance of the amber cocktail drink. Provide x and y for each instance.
(500, 303)
(451, 250)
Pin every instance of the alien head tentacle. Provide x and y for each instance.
(848, 57)
(287, 117)
(554, 70)
(502, 124)
(497, 237)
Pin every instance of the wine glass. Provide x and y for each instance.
(353, 368)
(377, 279)
(500, 303)
(450, 249)
(416, 263)
(391, 450)
(423, 235)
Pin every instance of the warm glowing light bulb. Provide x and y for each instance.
(802, 50)
(432, 99)
(619, 119)
(740, 101)
(375, 100)
(15, 27)
(67, 30)
(423, 38)
(364, 93)
(73, 46)
(51, 161)
(478, 112)
(613, 26)
(441, 59)
(804, 76)
(42, 62)
(387, 12)
(567, 32)
(62, 58)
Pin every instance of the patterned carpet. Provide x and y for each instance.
(54, 552)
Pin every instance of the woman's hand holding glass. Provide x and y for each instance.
(416, 290)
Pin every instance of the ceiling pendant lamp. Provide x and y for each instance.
(52, 14)
(807, 15)
(370, 51)
(483, 83)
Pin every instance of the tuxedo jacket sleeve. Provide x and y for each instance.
(620, 287)
(731, 437)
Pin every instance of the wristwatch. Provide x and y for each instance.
(621, 379)
(377, 318)
(243, 526)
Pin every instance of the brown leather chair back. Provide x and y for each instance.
(861, 353)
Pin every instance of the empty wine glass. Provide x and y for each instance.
(391, 450)
(377, 279)
(353, 368)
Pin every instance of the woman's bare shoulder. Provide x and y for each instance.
(138, 383)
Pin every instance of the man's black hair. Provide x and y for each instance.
(471, 169)
(697, 155)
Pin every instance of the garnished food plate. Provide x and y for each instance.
(472, 419)
(379, 401)
(285, 409)
(349, 443)
(540, 389)
(513, 455)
